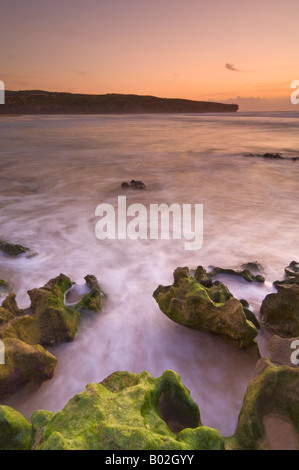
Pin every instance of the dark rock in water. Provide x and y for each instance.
(13, 250)
(251, 317)
(291, 275)
(273, 155)
(292, 269)
(253, 266)
(280, 311)
(244, 273)
(244, 303)
(133, 184)
(47, 321)
(210, 309)
(269, 416)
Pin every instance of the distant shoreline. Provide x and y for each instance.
(44, 102)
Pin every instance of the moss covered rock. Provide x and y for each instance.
(47, 321)
(24, 364)
(209, 307)
(15, 431)
(57, 322)
(94, 300)
(280, 311)
(269, 418)
(126, 412)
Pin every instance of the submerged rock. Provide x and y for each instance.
(126, 412)
(269, 416)
(47, 321)
(197, 303)
(280, 311)
(133, 184)
(291, 274)
(244, 273)
(13, 250)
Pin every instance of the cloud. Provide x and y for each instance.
(231, 67)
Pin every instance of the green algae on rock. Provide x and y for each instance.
(24, 364)
(273, 392)
(127, 412)
(46, 322)
(15, 431)
(94, 300)
(58, 322)
(197, 303)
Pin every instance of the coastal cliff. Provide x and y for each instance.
(43, 102)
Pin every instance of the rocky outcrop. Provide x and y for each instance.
(291, 274)
(244, 273)
(124, 412)
(129, 411)
(269, 416)
(48, 321)
(198, 303)
(280, 311)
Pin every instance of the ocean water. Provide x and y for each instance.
(55, 171)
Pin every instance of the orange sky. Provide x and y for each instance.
(196, 49)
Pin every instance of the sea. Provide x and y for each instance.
(55, 170)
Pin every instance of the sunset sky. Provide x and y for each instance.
(196, 49)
